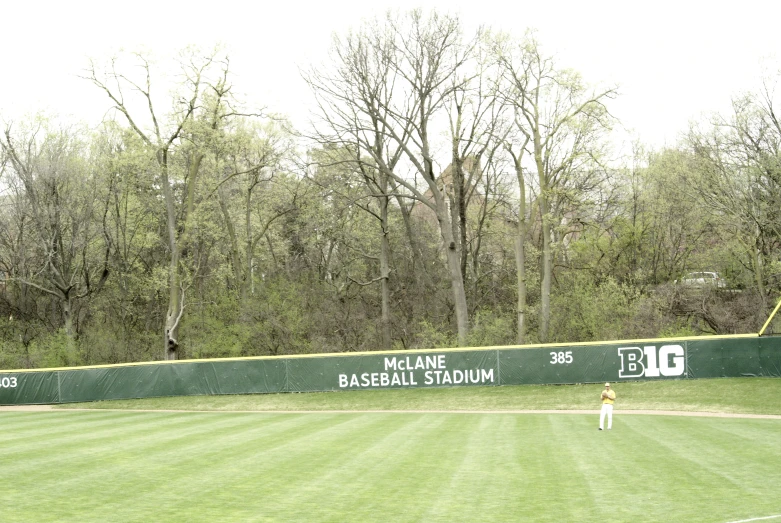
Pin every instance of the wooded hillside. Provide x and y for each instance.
(454, 189)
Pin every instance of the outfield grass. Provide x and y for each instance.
(727, 395)
(99, 465)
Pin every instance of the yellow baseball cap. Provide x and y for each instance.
(607, 384)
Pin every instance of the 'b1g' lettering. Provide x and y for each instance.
(650, 362)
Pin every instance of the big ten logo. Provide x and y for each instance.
(650, 362)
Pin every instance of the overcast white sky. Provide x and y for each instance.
(673, 60)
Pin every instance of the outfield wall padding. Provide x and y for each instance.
(686, 358)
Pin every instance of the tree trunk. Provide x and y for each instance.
(759, 275)
(234, 255)
(520, 244)
(547, 255)
(419, 268)
(385, 273)
(248, 287)
(173, 314)
(547, 273)
(454, 269)
(520, 271)
(459, 210)
(67, 312)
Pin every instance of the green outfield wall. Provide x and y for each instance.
(684, 358)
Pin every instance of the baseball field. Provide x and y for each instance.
(483, 454)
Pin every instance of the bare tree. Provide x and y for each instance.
(474, 115)
(739, 181)
(48, 174)
(164, 135)
(390, 81)
(355, 107)
(248, 160)
(560, 122)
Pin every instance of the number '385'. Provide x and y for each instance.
(559, 358)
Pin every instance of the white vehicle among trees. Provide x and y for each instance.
(703, 279)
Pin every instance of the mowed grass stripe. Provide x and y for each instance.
(301, 480)
(241, 474)
(235, 462)
(220, 466)
(418, 467)
(699, 466)
(79, 438)
(367, 460)
(440, 467)
(649, 477)
(286, 479)
(440, 474)
(487, 474)
(112, 463)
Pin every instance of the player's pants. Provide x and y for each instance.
(607, 409)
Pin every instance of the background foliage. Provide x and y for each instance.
(291, 243)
